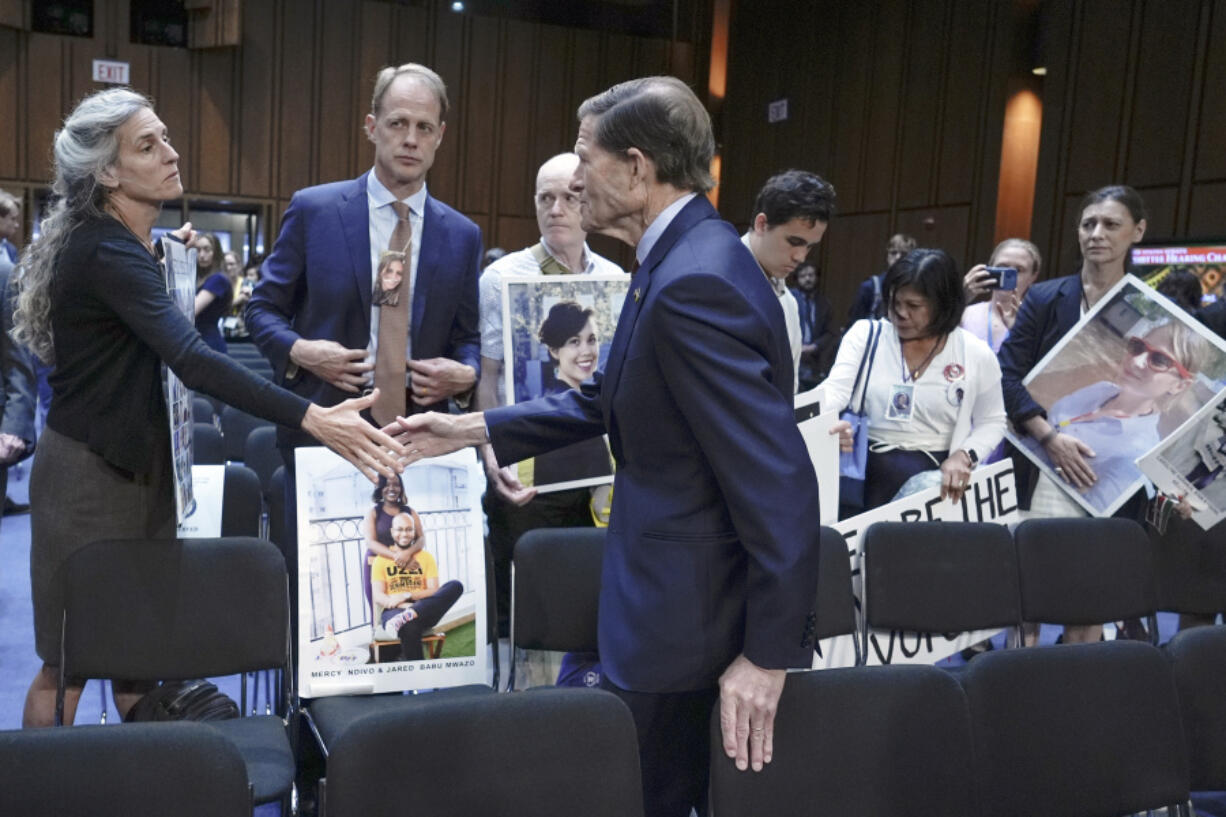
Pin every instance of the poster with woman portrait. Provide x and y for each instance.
(556, 332)
(391, 577)
(1191, 463)
(1122, 380)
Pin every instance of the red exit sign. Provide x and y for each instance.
(112, 71)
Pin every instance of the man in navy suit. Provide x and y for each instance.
(710, 566)
(311, 314)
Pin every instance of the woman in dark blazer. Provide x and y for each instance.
(1111, 219)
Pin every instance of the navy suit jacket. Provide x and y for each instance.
(713, 542)
(316, 284)
(1049, 310)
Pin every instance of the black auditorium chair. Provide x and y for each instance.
(890, 741)
(1198, 656)
(207, 445)
(202, 410)
(937, 577)
(1191, 568)
(555, 590)
(260, 454)
(1076, 729)
(178, 609)
(1086, 570)
(836, 602)
(182, 768)
(241, 509)
(235, 426)
(541, 753)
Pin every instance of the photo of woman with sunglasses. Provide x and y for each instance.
(1119, 418)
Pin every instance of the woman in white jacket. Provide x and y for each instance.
(932, 396)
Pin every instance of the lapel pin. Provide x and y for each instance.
(637, 294)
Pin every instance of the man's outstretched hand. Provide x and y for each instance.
(433, 434)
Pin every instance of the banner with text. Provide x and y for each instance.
(991, 497)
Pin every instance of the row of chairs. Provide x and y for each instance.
(934, 578)
(1065, 731)
(954, 577)
(230, 437)
(546, 753)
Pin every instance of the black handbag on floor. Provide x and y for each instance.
(196, 700)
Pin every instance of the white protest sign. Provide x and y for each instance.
(990, 497)
(208, 485)
(354, 603)
(1192, 461)
(824, 453)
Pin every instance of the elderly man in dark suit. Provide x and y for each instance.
(710, 566)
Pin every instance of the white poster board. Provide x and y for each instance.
(534, 368)
(180, 264)
(990, 497)
(208, 488)
(1097, 390)
(823, 450)
(343, 645)
(1191, 463)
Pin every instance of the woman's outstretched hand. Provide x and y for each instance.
(342, 429)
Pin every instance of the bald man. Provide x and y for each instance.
(513, 509)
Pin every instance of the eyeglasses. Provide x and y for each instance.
(1156, 359)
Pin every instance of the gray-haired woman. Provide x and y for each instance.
(93, 301)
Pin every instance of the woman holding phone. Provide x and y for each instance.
(991, 320)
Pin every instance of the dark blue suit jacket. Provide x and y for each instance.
(713, 542)
(1048, 311)
(317, 284)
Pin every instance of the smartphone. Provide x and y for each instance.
(1002, 277)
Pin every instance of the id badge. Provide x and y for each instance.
(902, 402)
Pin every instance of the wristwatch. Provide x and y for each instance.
(972, 456)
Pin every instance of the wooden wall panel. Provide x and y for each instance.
(1134, 95)
(1101, 78)
(45, 108)
(481, 104)
(918, 139)
(256, 99)
(853, 249)
(553, 116)
(850, 102)
(213, 133)
(893, 102)
(515, 232)
(967, 144)
(11, 126)
(882, 126)
(446, 49)
(296, 102)
(339, 108)
(946, 228)
(1162, 203)
(1208, 211)
(284, 109)
(1164, 64)
(1211, 157)
(517, 89)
